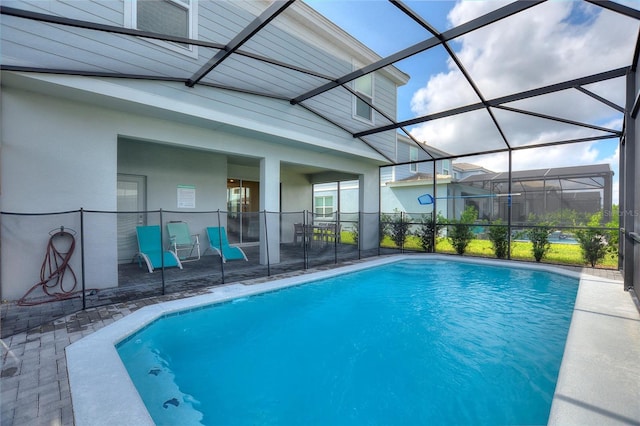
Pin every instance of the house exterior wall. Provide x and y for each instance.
(403, 155)
(296, 192)
(298, 36)
(405, 198)
(53, 159)
(64, 136)
(338, 105)
(404, 171)
(348, 195)
(387, 174)
(47, 145)
(461, 174)
(166, 167)
(69, 160)
(349, 200)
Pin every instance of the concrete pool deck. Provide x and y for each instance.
(597, 384)
(599, 381)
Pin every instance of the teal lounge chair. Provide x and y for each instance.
(227, 252)
(150, 249)
(185, 245)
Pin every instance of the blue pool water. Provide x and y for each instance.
(413, 342)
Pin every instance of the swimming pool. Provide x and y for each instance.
(453, 343)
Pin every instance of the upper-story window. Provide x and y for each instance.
(171, 17)
(445, 167)
(164, 17)
(413, 156)
(364, 87)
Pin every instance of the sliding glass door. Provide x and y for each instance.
(243, 203)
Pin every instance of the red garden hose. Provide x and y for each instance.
(53, 270)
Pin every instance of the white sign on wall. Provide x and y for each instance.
(186, 197)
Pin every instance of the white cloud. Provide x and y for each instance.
(554, 156)
(550, 43)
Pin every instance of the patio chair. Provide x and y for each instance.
(150, 249)
(185, 245)
(219, 243)
(332, 232)
(299, 233)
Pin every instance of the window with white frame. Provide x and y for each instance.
(163, 16)
(323, 206)
(171, 17)
(413, 156)
(364, 87)
(445, 167)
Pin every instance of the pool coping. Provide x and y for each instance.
(103, 394)
(598, 381)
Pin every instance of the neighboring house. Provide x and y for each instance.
(398, 184)
(401, 185)
(586, 189)
(329, 198)
(464, 170)
(336, 201)
(408, 154)
(75, 134)
(334, 197)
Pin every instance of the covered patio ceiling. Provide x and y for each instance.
(228, 63)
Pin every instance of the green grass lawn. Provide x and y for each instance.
(566, 254)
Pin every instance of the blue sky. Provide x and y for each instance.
(380, 13)
(554, 42)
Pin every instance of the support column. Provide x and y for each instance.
(369, 194)
(607, 199)
(434, 211)
(621, 202)
(510, 204)
(630, 205)
(270, 202)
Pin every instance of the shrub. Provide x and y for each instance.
(593, 245)
(383, 225)
(428, 232)
(612, 234)
(594, 241)
(539, 237)
(499, 237)
(355, 234)
(460, 233)
(398, 229)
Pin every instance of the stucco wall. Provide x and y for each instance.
(55, 157)
(60, 154)
(405, 198)
(49, 147)
(166, 167)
